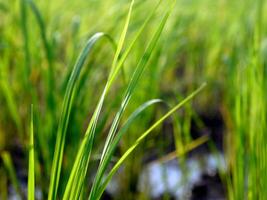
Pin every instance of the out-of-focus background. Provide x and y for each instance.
(213, 148)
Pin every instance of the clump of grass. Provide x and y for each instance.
(221, 42)
(76, 181)
(248, 162)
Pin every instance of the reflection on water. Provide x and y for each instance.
(159, 178)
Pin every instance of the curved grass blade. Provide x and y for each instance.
(64, 118)
(82, 165)
(130, 89)
(31, 187)
(141, 138)
(78, 173)
(108, 156)
(128, 50)
(122, 39)
(124, 58)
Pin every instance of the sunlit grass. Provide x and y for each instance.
(97, 73)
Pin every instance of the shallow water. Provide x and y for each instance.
(159, 178)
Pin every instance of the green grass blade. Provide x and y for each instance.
(122, 38)
(128, 50)
(124, 56)
(108, 156)
(141, 138)
(64, 119)
(129, 91)
(31, 169)
(83, 156)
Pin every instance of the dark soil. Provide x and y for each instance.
(209, 188)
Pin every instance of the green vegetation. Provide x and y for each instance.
(91, 87)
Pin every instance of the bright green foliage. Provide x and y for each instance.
(31, 172)
(248, 163)
(89, 66)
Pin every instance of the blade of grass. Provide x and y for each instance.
(122, 39)
(64, 118)
(127, 52)
(80, 166)
(129, 91)
(107, 158)
(83, 165)
(141, 138)
(140, 65)
(31, 169)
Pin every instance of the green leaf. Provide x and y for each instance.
(79, 170)
(31, 187)
(108, 156)
(65, 113)
(141, 138)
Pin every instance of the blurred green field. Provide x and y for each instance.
(91, 87)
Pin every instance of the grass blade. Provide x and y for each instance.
(128, 50)
(81, 163)
(142, 137)
(108, 156)
(129, 91)
(110, 135)
(31, 187)
(64, 119)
